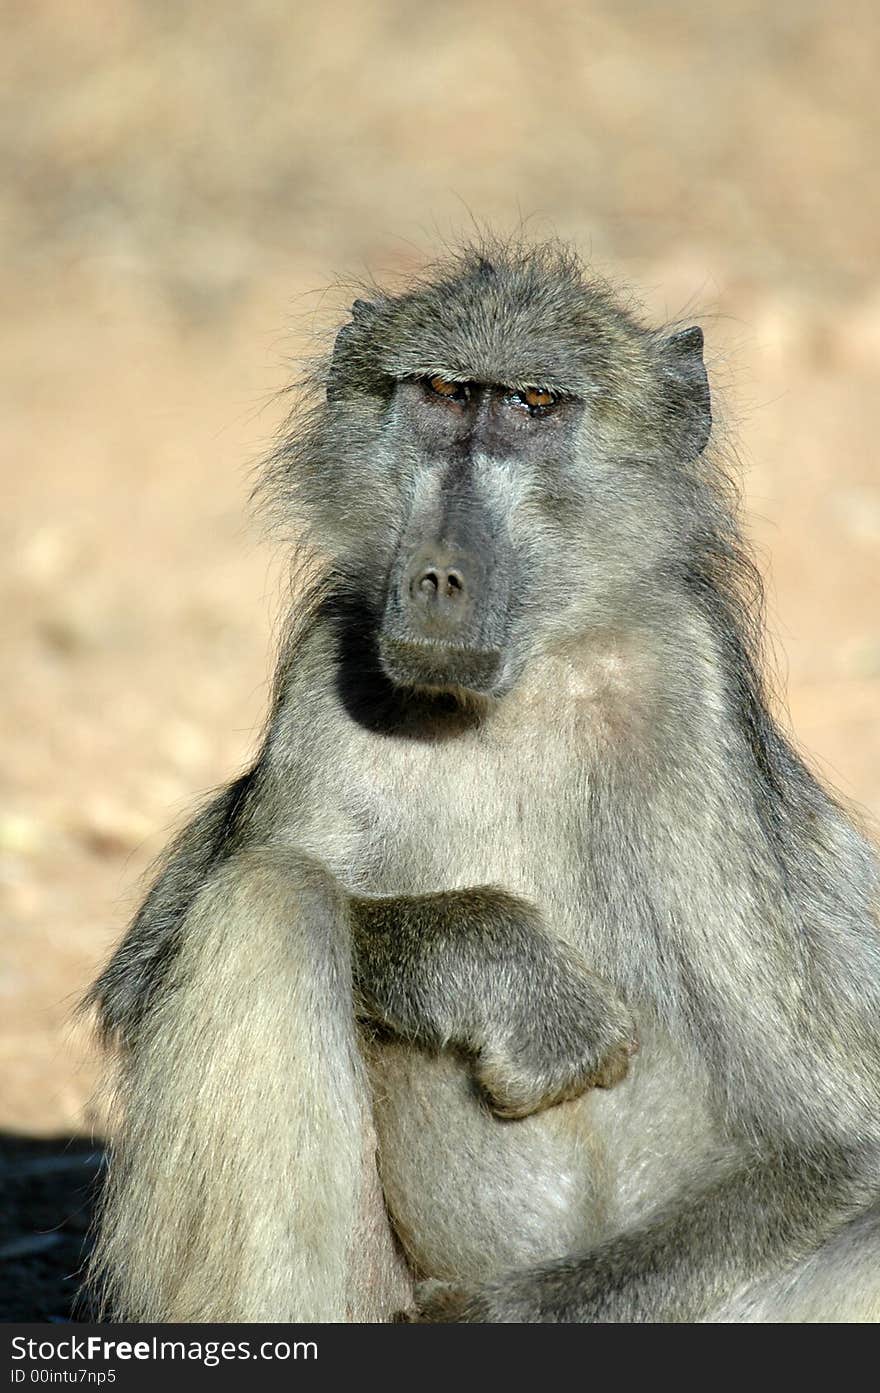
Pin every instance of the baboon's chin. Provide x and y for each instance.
(440, 667)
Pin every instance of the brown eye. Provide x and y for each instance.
(536, 399)
(453, 391)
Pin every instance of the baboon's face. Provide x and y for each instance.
(463, 572)
(486, 499)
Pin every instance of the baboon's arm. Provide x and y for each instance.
(477, 969)
(684, 1263)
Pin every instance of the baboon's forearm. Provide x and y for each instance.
(454, 966)
(479, 970)
(432, 967)
(682, 1265)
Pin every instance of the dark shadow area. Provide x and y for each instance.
(368, 695)
(49, 1187)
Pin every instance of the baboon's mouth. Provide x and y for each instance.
(440, 666)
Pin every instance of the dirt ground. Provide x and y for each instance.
(181, 186)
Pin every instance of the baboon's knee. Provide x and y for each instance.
(317, 904)
(282, 879)
(277, 909)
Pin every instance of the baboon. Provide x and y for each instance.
(529, 974)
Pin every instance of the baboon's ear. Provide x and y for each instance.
(688, 388)
(344, 363)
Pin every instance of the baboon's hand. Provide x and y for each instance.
(449, 1303)
(568, 1032)
(437, 1303)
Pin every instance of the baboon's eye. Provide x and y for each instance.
(537, 400)
(452, 391)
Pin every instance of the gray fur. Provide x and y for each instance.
(505, 880)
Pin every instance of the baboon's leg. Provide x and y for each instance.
(245, 1186)
(840, 1282)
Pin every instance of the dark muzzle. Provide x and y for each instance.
(446, 617)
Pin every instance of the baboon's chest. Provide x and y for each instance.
(458, 814)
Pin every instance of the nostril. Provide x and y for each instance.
(429, 582)
(454, 583)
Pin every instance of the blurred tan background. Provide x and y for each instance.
(180, 185)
